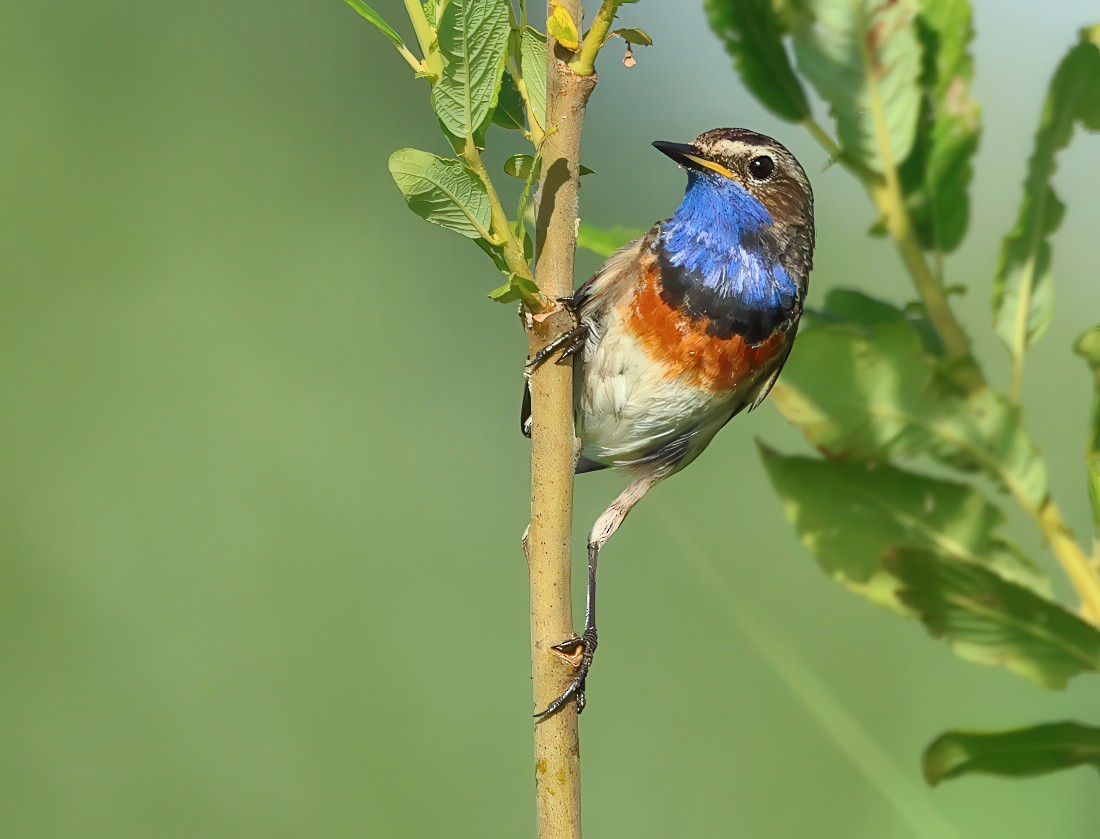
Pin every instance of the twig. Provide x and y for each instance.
(557, 744)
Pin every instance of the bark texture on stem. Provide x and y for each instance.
(557, 745)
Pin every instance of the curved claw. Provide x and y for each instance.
(587, 644)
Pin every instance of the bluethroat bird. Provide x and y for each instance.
(684, 328)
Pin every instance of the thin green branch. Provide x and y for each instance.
(418, 66)
(503, 234)
(425, 36)
(584, 63)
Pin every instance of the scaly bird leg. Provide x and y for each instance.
(605, 526)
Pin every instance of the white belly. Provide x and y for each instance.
(629, 405)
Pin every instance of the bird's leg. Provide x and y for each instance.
(605, 526)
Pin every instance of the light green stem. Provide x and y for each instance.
(584, 64)
(502, 232)
(418, 66)
(433, 61)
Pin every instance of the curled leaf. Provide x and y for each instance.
(561, 27)
(636, 37)
(1022, 287)
(1016, 753)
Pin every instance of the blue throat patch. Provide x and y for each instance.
(717, 263)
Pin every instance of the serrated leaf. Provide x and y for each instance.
(636, 37)
(604, 241)
(1022, 286)
(509, 110)
(864, 58)
(752, 33)
(561, 26)
(442, 191)
(936, 177)
(869, 390)
(532, 63)
(850, 515)
(375, 18)
(1016, 753)
(473, 40)
(990, 620)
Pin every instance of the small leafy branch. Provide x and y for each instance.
(881, 391)
(487, 65)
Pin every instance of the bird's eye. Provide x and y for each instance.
(761, 167)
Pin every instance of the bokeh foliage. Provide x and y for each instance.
(874, 387)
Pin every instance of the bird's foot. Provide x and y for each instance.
(579, 653)
(568, 343)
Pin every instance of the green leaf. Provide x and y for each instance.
(1088, 347)
(473, 40)
(519, 166)
(864, 58)
(851, 306)
(850, 515)
(517, 288)
(375, 18)
(637, 37)
(869, 390)
(442, 191)
(430, 12)
(1016, 753)
(936, 177)
(604, 241)
(990, 620)
(1022, 287)
(509, 110)
(561, 26)
(752, 33)
(532, 66)
(531, 170)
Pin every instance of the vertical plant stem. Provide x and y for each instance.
(557, 744)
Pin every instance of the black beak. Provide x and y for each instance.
(682, 153)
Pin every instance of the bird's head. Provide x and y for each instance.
(735, 162)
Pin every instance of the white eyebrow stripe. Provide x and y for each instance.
(730, 148)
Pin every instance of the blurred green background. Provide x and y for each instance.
(261, 486)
